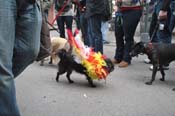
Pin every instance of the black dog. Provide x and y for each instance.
(67, 64)
(159, 53)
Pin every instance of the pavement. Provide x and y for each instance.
(122, 94)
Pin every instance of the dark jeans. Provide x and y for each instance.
(64, 20)
(94, 32)
(84, 29)
(124, 34)
(172, 21)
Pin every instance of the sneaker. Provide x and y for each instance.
(164, 67)
(147, 61)
(123, 64)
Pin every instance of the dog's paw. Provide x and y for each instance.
(93, 86)
(41, 64)
(70, 81)
(57, 80)
(162, 79)
(148, 83)
(50, 62)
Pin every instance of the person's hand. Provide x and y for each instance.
(162, 15)
(116, 8)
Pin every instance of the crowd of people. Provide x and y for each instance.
(20, 28)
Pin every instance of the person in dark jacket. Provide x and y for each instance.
(20, 26)
(161, 19)
(83, 22)
(95, 14)
(161, 15)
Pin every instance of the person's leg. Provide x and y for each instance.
(8, 104)
(163, 35)
(129, 26)
(84, 29)
(89, 29)
(60, 23)
(172, 21)
(104, 29)
(27, 42)
(77, 19)
(94, 25)
(119, 41)
(68, 22)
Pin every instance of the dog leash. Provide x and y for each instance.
(154, 32)
(53, 28)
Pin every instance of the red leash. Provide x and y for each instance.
(59, 12)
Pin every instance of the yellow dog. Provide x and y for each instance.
(57, 44)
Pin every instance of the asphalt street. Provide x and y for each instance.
(122, 94)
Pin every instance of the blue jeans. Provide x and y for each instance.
(19, 41)
(104, 29)
(94, 33)
(64, 20)
(124, 34)
(84, 28)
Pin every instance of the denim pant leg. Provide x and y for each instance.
(8, 105)
(130, 22)
(60, 23)
(68, 22)
(119, 36)
(84, 28)
(172, 21)
(64, 20)
(95, 34)
(27, 42)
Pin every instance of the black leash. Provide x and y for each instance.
(53, 28)
(155, 30)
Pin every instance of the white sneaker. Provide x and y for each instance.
(164, 67)
(147, 61)
(151, 67)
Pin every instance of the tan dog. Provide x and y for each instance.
(57, 44)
